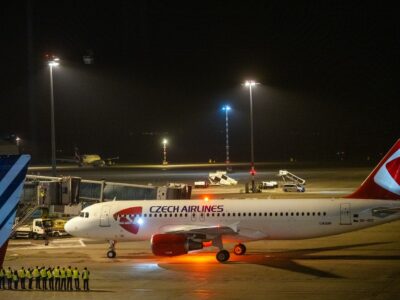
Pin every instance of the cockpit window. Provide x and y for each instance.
(82, 214)
(87, 215)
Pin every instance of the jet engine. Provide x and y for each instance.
(173, 244)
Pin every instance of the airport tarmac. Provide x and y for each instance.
(359, 265)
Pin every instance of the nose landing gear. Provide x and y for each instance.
(111, 251)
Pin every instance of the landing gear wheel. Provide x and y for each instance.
(222, 256)
(239, 249)
(111, 254)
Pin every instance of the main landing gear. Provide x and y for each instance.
(111, 251)
(223, 255)
(239, 249)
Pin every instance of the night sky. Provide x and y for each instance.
(328, 74)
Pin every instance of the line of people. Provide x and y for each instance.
(54, 279)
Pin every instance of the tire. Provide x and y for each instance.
(222, 256)
(239, 249)
(56, 234)
(35, 236)
(111, 254)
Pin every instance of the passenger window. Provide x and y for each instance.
(165, 215)
(145, 215)
(217, 214)
(302, 213)
(266, 214)
(308, 214)
(244, 214)
(287, 214)
(276, 214)
(313, 213)
(176, 215)
(208, 214)
(234, 214)
(292, 214)
(238, 214)
(324, 213)
(223, 214)
(281, 214)
(229, 214)
(297, 213)
(319, 213)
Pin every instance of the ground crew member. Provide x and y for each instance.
(15, 279)
(43, 276)
(28, 275)
(9, 276)
(75, 275)
(50, 278)
(63, 279)
(36, 276)
(2, 279)
(56, 274)
(21, 275)
(69, 278)
(85, 276)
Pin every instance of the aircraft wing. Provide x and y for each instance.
(208, 232)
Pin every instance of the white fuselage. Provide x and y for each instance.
(250, 219)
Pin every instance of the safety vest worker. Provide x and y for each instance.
(2, 279)
(21, 276)
(56, 274)
(9, 276)
(63, 285)
(85, 277)
(28, 275)
(69, 279)
(36, 275)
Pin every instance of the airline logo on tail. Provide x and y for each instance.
(129, 218)
(12, 175)
(384, 181)
(388, 176)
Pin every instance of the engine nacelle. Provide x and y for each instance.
(169, 244)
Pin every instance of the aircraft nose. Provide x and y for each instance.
(71, 227)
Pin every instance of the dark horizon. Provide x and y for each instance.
(327, 72)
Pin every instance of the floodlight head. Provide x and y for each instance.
(250, 83)
(226, 108)
(54, 61)
(165, 141)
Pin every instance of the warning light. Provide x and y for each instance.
(252, 171)
(206, 198)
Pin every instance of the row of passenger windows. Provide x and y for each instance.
(265, 214)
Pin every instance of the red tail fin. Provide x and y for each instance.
(384, 181)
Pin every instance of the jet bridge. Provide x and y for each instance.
(288, 177)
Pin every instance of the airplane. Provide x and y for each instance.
(94, 160)
(12, 176)
(176, 227)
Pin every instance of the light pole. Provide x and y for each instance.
(250, 84)
(165, 142)
(53, 62)
(226, 108)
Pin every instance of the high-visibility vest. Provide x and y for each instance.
(43, 273)
(56, 273)
(36, 273)
(28, 274)
(21, 273)
(75, 274)
(1, 273)
(62, 273)
(15, 277)
(9, 274)
(69, 272)
(49, 275)
(85, 274)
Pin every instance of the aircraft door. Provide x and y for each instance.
(345, 214)
(104, 216)
(202, 217)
